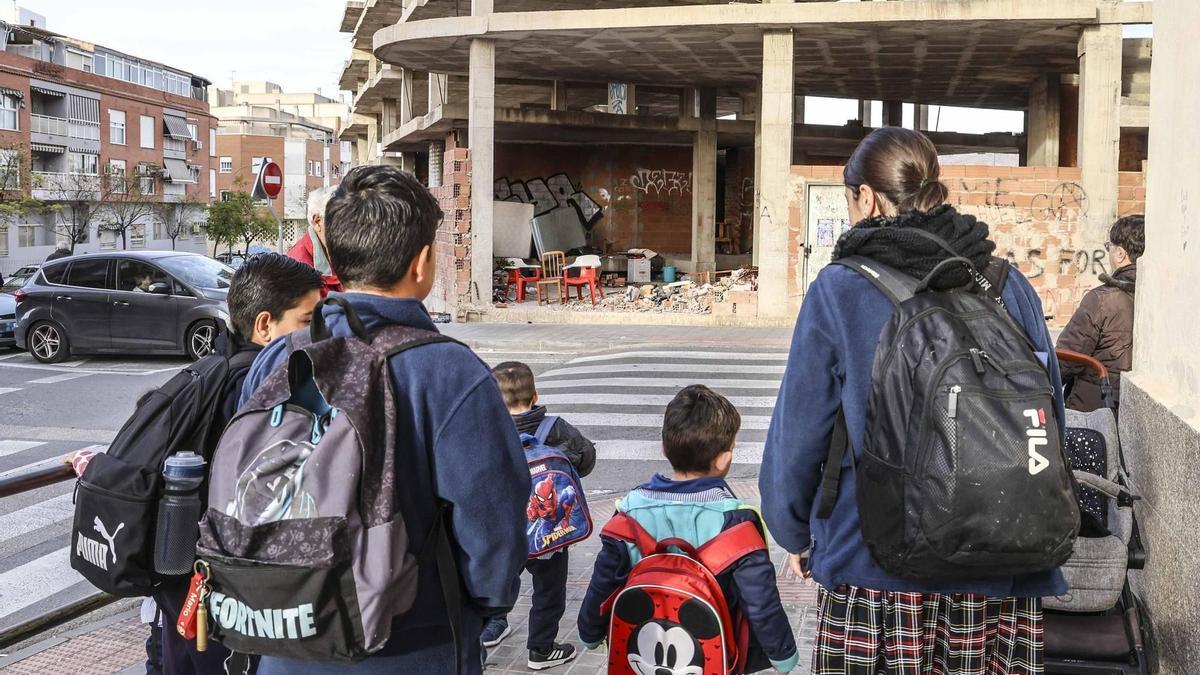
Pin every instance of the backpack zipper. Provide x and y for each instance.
(952, 403)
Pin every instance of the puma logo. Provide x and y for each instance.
(1036, 438)
(103, 531)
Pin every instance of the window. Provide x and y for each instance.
(194, 132)
(54, 274)
(255, 165)
(212, 142)
(88, 273)
(136, 276)
(27, 237)
(137, 236)
(4, 241)
(10, 112)
(10, 169)
(226, 165)
(116, 176)
(146, 185)
(197, 270)
(226, 195)
(148, 128)
(82, 162)
(116, 127)
(212, 183)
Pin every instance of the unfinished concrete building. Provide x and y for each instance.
(678, 125)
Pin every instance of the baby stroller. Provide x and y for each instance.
(1099, 625)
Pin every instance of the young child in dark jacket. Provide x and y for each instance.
(550, 572)
(696, 505)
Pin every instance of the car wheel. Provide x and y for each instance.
(201, 339)
(48, 342)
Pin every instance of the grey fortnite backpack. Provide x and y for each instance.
(308, 552)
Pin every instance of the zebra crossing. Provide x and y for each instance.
(616, 398)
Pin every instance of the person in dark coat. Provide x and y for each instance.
(1102, 326)
(870, 620)
(62, 251)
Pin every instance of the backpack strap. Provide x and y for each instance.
(896, 285)
(730, 546)
(997, 275)
(623, 527)
(543, 430)
(831, 477)
(437, 550)
(319, 330)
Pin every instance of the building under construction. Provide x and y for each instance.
(679, 125)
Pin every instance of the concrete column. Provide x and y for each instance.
(390, 119)
(362, 152)
(1099, 127)
(1044, 122)
(688, 102)
(373, 139)
(893, 114)
(774, 172)
(758, 144)
(439, 90)
(558, 95)
(704, 186)
(481, 95)
(622, 98)
(864, 113)
(407, 105)
(437, 150)
(922, 119)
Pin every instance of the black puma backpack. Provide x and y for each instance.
(962, 473)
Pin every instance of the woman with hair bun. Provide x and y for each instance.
(870, 620)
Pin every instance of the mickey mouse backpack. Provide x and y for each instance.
(557, 512)
(671, 615)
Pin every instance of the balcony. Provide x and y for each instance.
(61, 187)
(89, 131)
(53, 126)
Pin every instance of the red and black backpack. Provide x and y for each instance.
(671, 615)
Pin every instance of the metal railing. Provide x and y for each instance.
(81, 129)
(45, 124)
(65, 186)
(174, 144)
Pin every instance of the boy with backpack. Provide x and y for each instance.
(269, 296)
(549, 571)
(412, 530)
(662, 611)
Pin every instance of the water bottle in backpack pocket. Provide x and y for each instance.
(557, 513)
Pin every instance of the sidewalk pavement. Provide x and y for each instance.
(595, 337)
(116, 644)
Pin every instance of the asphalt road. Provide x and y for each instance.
(615, 396)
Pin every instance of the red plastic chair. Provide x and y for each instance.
(588, 275)
(521, 277)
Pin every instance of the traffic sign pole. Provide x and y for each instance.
(267, 185)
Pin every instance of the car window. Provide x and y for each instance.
(197, 270)
(137, 276)
(88, 273)
(55, 273)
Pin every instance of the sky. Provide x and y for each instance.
(294, 43)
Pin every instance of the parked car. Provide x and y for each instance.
(144, 302)
(8, 321)
(233, 260)
(18, 279)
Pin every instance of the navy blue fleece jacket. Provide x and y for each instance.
(830, 366)
(453, 425)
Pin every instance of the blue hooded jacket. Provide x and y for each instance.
(829, 365)
(452, 422)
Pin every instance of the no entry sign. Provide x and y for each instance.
(270, 181)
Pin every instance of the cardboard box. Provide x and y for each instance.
(639, 271)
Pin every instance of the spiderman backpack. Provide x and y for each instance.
(558, 515)
(671, 615)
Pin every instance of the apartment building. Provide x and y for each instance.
(88, 130)
(259, 121)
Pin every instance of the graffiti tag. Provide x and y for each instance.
(661, 182)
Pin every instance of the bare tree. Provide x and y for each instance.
(177, 217)
(14, 184)
(125, 204)
(78, 200)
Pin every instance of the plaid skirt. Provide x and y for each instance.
(867, 632)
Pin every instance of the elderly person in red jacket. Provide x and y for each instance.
(310, 250)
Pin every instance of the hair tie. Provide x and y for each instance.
(924, 182)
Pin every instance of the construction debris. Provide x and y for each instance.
(684, 297)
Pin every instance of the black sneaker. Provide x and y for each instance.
(494, 632)
(555, 656)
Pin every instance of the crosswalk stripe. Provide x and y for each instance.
(13, 447)
(634, 368)
(717, 383)
(644, 400)
(42, 577)
(55, 379)
(649, 420)
(36, 516)
(9, 390)
(704, 356)
(743, 453)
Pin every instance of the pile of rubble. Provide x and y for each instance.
(682, 297)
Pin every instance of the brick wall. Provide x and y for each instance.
(452, 248)
(1035, 214)
(644, 192)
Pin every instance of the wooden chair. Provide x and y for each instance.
(723, 241)
(553, 263)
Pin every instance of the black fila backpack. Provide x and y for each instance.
(962, 473)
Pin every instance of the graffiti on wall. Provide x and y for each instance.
(1066, 203)
(660, 182)
(550, 194)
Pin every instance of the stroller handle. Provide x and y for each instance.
(1100, 369)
